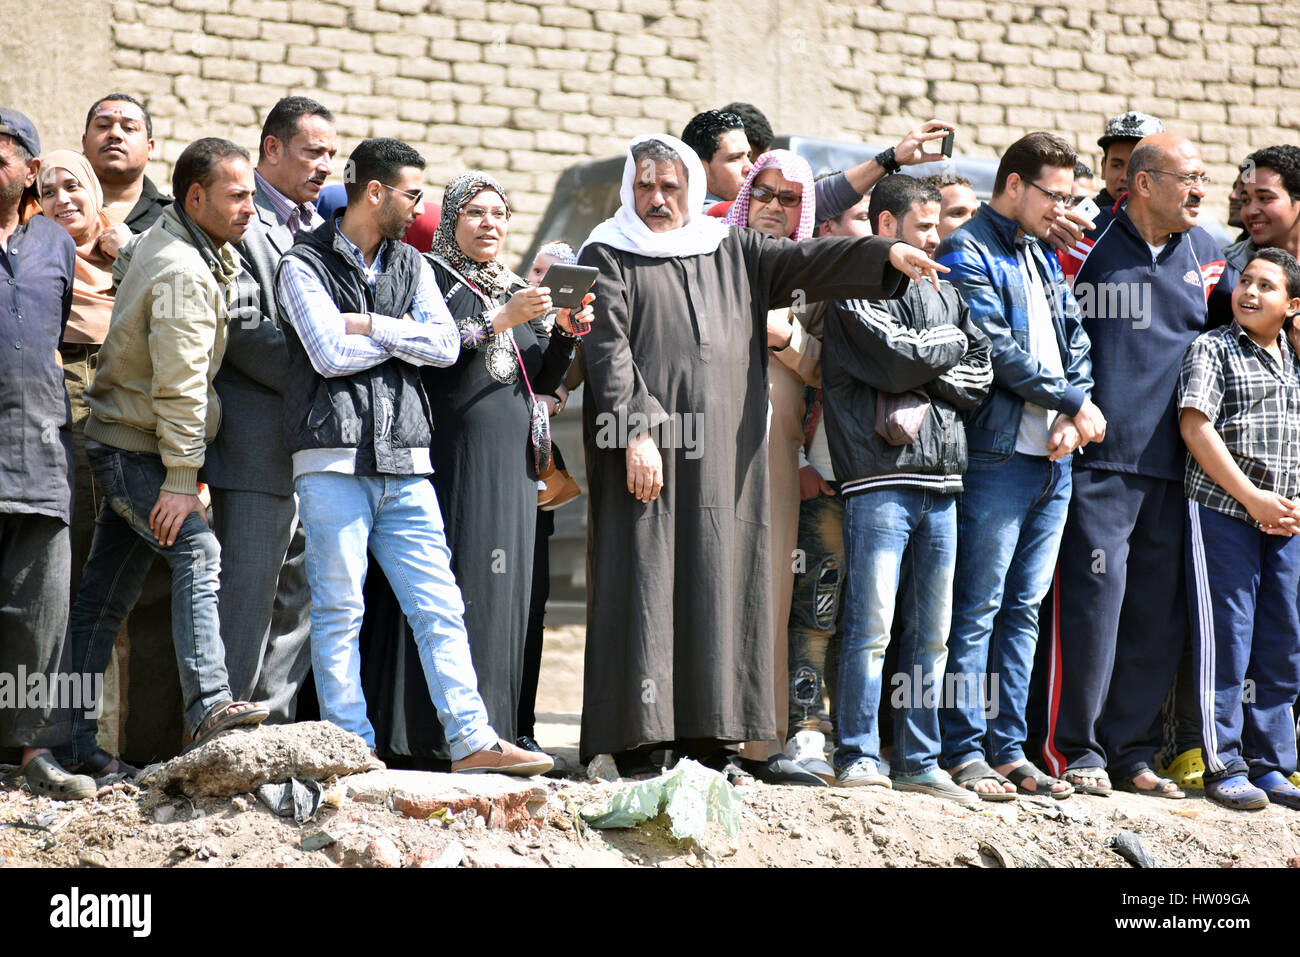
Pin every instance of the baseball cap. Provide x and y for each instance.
(21, 129)
(1130, 126)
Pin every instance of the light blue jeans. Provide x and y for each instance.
(398, 519)
(900, 544)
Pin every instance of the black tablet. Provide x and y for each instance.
(568, 284)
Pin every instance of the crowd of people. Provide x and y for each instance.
(855, 442)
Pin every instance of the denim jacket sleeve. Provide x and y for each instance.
(1014, 369)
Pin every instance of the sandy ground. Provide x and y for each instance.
(780, 826)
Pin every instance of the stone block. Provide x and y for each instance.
(343, 39)
(674, 27)
(235, 28)
(288, 33)
(138, 36)
(315, 57)
(371, 64)
(375, 21)
(558, 16)
(317, 13)
(243, 759)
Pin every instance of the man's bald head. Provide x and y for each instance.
(1160, 151)
(1166, 182)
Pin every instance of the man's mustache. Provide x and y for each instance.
(658, 211)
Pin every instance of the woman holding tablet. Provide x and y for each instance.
(490, 438)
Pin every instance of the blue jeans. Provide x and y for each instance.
(897, 542)
(1009, 524)
(120, 555)
(398, 519)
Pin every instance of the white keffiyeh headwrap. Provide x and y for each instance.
(699, 235)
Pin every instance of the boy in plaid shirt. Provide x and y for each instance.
(1239, 392)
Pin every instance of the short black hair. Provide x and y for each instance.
(757, 129)
(126, 98)
(380, 159)
(895, 195)
(655, 150)
(1283, 160)
(1027, 157)
(1280, 257)
(1083, 171)
(198, 163)
(943, 180)
(282, 122)
(702, 132)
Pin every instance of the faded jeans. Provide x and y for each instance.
(900, 545)
(398, 519)
(120, 556)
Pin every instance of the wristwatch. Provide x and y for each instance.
(885, 159)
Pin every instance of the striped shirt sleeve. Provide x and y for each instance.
(428, 338)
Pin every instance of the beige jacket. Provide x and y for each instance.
(153, 387)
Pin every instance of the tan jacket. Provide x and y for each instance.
(153, 387)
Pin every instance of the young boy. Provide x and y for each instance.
(1239, 393)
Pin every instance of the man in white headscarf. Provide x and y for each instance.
(679, 650)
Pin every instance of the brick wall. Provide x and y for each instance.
(524, 88)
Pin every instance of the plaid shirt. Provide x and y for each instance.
(1255, 408)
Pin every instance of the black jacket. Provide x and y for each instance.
(924, 340)
(382, 412)
(147, 208)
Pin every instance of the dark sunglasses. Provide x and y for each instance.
(764, 194)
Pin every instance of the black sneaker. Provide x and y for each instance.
(528, 744)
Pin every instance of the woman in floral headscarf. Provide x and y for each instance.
(777, 198)
(486, 447)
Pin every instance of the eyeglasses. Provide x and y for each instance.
(1064, 199)
(764, 194)
(476, 215)
(1189, 179)
(413, 197)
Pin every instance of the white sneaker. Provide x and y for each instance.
(808, 750)
(862, 772)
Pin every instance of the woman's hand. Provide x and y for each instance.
(584, 316)
(113, 239)
(524, 306)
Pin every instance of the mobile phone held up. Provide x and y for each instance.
(1088, 210)
(947, 143)
(568, 285)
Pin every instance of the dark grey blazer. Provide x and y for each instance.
(249, 453)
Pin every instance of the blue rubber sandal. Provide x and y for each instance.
(1279, 789)
(1236, 793)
